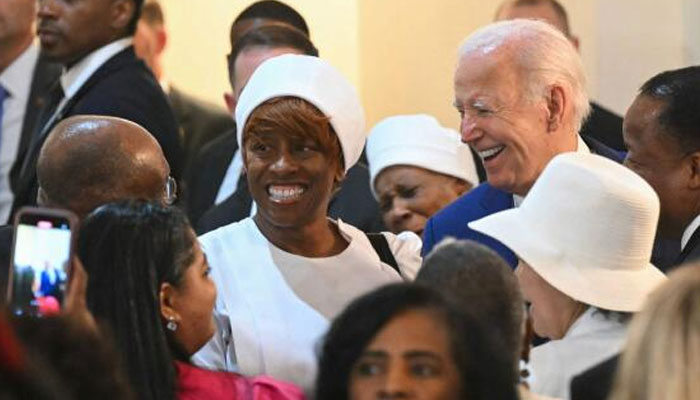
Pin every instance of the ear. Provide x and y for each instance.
(694, 164)
(230, 101)
(121, 12)
(168, 302)
(556, 105)
(161, 39)
(575, 42)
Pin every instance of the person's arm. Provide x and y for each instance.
(406, 247)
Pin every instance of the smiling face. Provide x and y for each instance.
(509, 132)
(409, 358)
(408, 196)
(656, 156)
(292, 157)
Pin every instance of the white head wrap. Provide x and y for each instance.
(316, 81)
(419, 141)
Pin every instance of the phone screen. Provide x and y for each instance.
(41, 256)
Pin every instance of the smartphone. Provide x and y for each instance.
(42, 251)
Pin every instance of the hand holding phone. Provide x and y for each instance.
(41, 257)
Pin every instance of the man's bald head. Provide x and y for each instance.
(91, 160)
(549, 11)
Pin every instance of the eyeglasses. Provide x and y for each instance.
(170, 191)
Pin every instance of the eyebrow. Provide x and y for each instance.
(421, 353)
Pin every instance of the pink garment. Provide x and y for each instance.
(196, 383)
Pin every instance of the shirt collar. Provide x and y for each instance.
(582, 147)
(689, 231)
(14, 78)
(75, 77)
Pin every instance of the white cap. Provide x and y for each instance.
(420, 141)
(316, 81)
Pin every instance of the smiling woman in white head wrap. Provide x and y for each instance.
(283, 273)
(416, 168)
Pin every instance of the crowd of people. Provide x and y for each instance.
(548, 249)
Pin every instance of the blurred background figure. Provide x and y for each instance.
(149, 285)
(602, 124)
(25, 80)
(407, 341)
(199, 122)
(416, 168)
(584, 236)
(661, 359)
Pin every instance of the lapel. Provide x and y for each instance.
(691, 247)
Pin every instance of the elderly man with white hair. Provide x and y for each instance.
(416, 167)
(520, 90)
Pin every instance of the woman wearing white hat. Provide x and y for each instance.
(584, 236)
(416, 168)
(283, 273)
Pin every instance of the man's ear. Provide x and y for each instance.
(556, 105)
(694, 165)
(168, 301)
(575, 42)
(161, 39)
(230, 101)
(121, 12)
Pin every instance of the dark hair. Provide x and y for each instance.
(129, 249)
(481, 284)
(554, 4)
(680, 91)
(484, 369)
(273, 10)
(85, 363)
(133, 22)
(269, 36)
(152, 13)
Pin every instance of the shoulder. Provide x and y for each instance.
(224, 236)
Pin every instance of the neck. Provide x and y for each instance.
(10, 51)
(320, 238)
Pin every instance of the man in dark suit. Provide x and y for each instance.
(199, 121)
(25, 79)
(125, 163)
(602, 124)
(102, 76)
(518, 112)
(662, 132)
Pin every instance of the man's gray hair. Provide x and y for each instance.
(543, 54)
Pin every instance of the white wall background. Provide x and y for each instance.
(400, 53)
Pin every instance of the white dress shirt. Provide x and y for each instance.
(17, 81)
(689, 232)
(74, 78)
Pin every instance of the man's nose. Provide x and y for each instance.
(46, 8)
(396, 385)
(468, 129)
(285, 162)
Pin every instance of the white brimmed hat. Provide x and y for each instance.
(316, 81)
(420, 141)
(586, 227)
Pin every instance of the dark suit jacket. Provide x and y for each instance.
(354, 204)
(6, 235)
(206, 174)
(45, 75)
(595, 383)
(479, 202)
(199, 123)
(122, 87)
(604, 126)
(691, 252)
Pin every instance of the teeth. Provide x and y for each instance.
(285, 192)
(490, 152)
